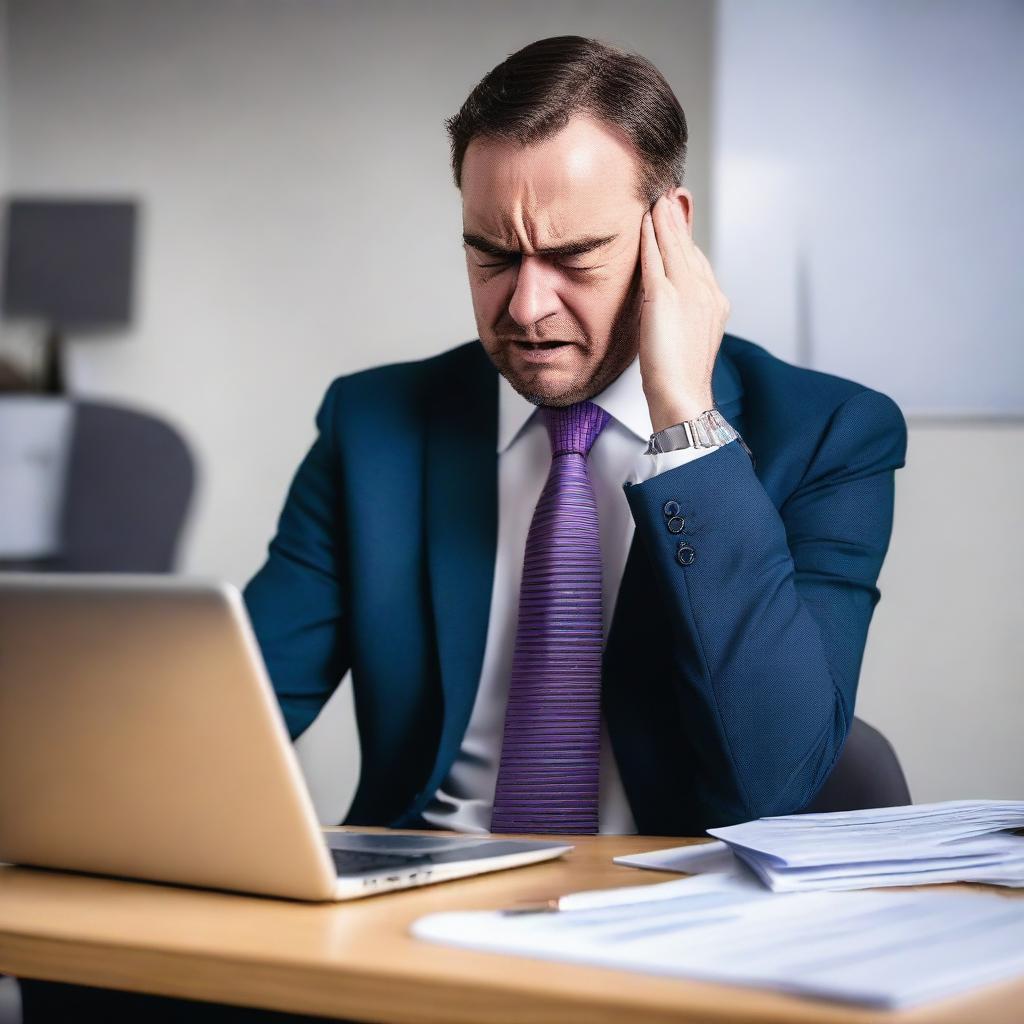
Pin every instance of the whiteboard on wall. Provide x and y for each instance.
(867, 221)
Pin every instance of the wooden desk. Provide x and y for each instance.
(357, 959)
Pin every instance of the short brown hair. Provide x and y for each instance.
(534, 93)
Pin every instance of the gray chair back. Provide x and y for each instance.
(129, 484)
(867, 774)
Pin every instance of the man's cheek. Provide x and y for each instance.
(485, 304)
(496, 302)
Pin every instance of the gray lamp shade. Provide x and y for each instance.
(70, 262)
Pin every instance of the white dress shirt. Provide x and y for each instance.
(464, 800)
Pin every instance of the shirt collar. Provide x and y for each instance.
(623, 400)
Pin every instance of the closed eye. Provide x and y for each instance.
(564, 266)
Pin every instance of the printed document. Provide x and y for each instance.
(889, 950)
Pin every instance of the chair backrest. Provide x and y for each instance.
(128, 486)
(867, 774)
(130, 482)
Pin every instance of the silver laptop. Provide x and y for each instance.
(140, 737)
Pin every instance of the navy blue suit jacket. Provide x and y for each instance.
(728, 683)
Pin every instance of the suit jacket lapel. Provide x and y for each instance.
(461, 531)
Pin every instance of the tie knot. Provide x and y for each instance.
(574, 428)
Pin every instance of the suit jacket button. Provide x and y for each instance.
(685, 554)
(671, 509)
(676, 524)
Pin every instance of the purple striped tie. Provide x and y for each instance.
(550, 753)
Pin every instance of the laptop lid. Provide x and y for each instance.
(140, 737)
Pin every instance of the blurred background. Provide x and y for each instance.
(214, 207)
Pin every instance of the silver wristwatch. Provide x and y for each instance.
(708, 430)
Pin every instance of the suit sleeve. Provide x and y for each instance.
(770, 616)
(296, 601)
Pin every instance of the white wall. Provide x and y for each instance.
(3, 104)
(942, 674)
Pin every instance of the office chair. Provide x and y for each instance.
(867, 774)
(128, 486)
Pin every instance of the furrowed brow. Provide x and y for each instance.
(579, 247)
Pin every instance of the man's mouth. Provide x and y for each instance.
(537, 353)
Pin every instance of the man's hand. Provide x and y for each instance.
(682, 319)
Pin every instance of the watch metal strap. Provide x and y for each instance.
(709, 430)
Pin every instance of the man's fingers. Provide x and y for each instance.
(669, 226)
(709, 279)
(667, 250)
(701, 260)
(651, 265)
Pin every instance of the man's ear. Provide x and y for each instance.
(684, 199)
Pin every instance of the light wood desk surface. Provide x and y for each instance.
(357, 959)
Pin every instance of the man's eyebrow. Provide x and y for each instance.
(575, 248)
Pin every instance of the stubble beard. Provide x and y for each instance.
(622, 348)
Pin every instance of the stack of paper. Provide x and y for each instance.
(953, 841)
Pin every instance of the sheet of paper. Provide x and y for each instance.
(694, 858)
(878, 949)
(736, 877)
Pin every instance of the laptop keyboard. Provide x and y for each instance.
(350, 862)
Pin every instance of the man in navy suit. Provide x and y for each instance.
(657, 625)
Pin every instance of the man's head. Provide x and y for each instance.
(558, 152)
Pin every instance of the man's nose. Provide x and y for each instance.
(535, 295)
